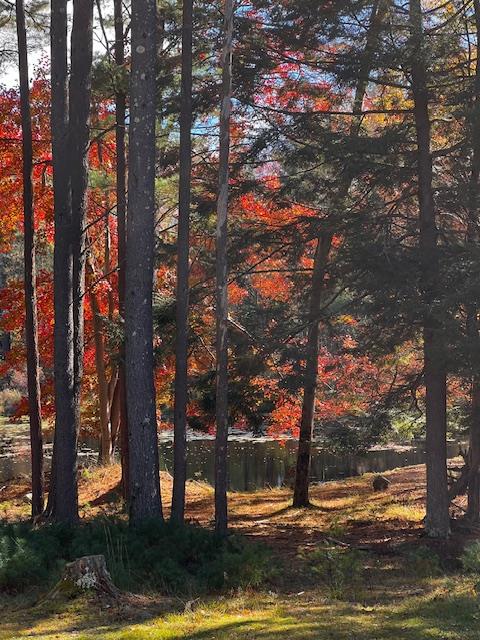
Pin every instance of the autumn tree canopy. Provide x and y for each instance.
(342, 147)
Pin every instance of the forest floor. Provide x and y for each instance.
(354, 566)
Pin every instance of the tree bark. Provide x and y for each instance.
(145, 501)
(302, 475)
(79, 127)
(5, 338)
(106, 450)
(112, 383)
(63, 495)
(31, 325)
(320, 263)
(121, 184)
(437, 522)
(115, 413)
(472, 325)
(183, 242)
(70, 136)
(473, 493)
(221, 438)
(85, 574)
(107, 267)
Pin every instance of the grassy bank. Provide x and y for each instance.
(445, 610)
(354, 566)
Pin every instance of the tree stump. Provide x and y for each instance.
(88, 573)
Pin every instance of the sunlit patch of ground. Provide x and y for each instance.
(444, 610)
(396, 589)
(347, 509)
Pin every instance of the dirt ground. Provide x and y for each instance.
(349, 510)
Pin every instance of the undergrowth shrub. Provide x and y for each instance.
(336, 528)
(153, 556)
(423, 563)
(470, 558)
(339, 569)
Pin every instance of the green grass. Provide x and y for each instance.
(447, 609)
(403, 597)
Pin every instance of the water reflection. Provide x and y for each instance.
(253, 462)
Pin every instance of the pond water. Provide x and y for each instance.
(257, 463)
(253, 462)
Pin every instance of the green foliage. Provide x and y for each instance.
(109, 77)
(354, 433)
(340, 569)
(28, 557)
(423, 563)
(155, 556)
(163, 313)
(336, 528)
(471, 558)
(406, 426)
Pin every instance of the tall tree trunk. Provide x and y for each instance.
(112, 382)
(302, 475)
(63, 496)
(320, 263)
(107, 261)
(472, 325)
(79, 127)
(70, 135)
(121, 184)
(31, 327)
(221, 438)
(145, 501)
(437, 522)
(106, 450)
(5, 339)
(184, 197)
(115, 414)
(473, 493)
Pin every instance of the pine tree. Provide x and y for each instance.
(437, 522)
(63, 496)
(70, 139)
(472, 326)
(79, 138)
(183, 266)
(320, 265)
(221, 396)
(144, 492)
(120, 189)
(31, 323)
